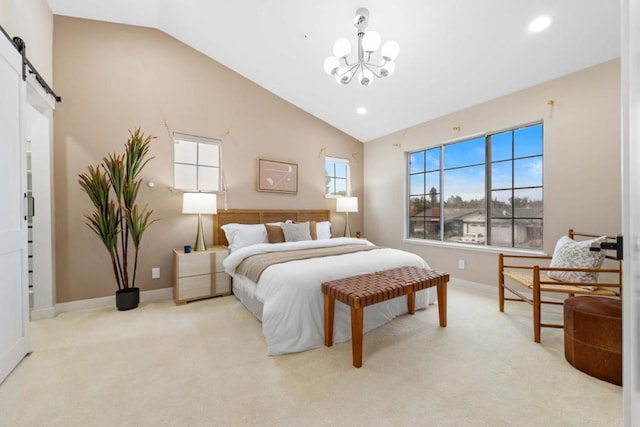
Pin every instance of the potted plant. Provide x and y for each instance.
(113, 188)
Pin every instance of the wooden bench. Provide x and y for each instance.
(368, 289)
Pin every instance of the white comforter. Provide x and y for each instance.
(293, 303)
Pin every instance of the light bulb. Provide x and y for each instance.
(331, 64)
(341, 48)
(371, 41)
(390, 50)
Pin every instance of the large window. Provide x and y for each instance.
(337, 182)
(196, 163)
(481, 191)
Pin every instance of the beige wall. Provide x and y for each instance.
(117, 77)
(582, 180)
(32, 21)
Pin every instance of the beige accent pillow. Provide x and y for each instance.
(296, 232)
(274, 233)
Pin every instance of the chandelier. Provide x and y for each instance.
(366, 66)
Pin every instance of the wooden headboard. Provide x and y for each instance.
(262, 216)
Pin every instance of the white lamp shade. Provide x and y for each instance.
(341, 48)
(347, 204)
(331, 65)
(199, 203)
(371, 41)
(390, 50)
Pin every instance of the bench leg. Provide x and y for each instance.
(411, 300)
(357, 316)
(441, 289)
(329, 308)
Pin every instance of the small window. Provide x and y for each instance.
(337, 180)
(196, 163)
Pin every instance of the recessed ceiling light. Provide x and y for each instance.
(541, 23)
(362, 111)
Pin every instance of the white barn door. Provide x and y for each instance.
(14, 302)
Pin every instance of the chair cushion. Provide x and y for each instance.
(576, 254)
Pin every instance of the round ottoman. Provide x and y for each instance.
(593, 336)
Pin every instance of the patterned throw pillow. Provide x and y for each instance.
(570, 253)
(296, 232)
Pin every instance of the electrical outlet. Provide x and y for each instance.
(155, 273)
(461, 264)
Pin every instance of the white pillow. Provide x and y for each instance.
(296, 232)
(323, 230)
(241, 235)
(570, 253)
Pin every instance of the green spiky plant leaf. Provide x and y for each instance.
(113, 187)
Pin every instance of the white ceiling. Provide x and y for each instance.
(453, 53)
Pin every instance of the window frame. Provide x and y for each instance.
(489, 191)
(347, 178)
(199, 164)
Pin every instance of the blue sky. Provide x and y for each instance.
(464, 174)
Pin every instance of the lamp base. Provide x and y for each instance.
(347, 232)
(199, 245)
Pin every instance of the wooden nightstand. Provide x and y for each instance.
(200, 274)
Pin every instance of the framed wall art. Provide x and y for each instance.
(277, 177)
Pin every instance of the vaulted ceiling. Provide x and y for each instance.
(453, 53)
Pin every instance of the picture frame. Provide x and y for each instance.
(274, 176)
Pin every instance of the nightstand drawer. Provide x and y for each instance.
(220, 256)
(195, 287)
(194, 264)
(223, 283)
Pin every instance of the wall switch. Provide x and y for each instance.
(461, 264)
(155, 273)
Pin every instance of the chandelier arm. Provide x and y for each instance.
(348, 70)
(368, 57)
(349, 73)
(371, 67)
(347, 62)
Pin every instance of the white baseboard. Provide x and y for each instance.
(88, 304)
(43, 313)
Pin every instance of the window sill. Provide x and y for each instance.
(476, 248)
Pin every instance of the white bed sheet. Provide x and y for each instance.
(292, 300)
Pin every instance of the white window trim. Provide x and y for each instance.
(201, 140)
(343, 161)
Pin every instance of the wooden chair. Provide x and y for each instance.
(529, 272)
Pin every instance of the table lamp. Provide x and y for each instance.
(346, 205)
(199, 203)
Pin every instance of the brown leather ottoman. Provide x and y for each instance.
(593, 336)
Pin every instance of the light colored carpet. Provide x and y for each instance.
(205, 364)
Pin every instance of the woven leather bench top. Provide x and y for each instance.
(372, 288)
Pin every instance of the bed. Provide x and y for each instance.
(286, 296)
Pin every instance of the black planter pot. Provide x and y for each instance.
(127, 299)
